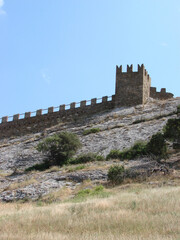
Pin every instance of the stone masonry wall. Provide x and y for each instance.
(160, 95)
(40, 122)
(132, 88)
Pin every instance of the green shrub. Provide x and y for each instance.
(84, 158)
(157, 145)
(92, 130)
(114, 154)
(59, 147)
(178, 109)
(172, 129)
(137, 150)
(100, 158)
(116, 174)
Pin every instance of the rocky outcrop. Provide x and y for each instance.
(36, 185)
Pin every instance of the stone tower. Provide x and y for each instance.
(132, 88)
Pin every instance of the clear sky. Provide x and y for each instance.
(61, 51)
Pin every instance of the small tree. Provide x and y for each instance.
(59, 147)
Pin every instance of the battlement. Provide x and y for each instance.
(132, 88)
(84, 105)
(32, 122)
(160, 95)
(141, 69)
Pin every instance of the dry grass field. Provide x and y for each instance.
(136, 211)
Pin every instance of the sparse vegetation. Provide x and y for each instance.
(54, 197)
(91, 130)
(135, 212)
(137, 150)
(85, 158)
(73, 169)
(156, 146)
(53, 169)
(22, 184)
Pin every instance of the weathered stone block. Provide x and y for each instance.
(93, 101)
(27, 114)
(4, 119)
(62, 107)
(163, 90)
(82, 103)
(104, 99)
(16, 117)
(72, 105)
(113, 98)
(50, 109)
(39, 112)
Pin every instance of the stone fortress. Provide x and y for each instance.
(132, 88)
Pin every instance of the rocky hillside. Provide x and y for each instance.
(119, 129)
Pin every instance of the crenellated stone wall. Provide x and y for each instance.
(132, 88)
(42, 121)
(160, 95)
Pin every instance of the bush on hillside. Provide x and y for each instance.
(178, 109)
(172, 129)
(59, 147)
(116, 174)
(157, 145)
(137, 150)
(114, 154)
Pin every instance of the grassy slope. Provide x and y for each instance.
(135, 212)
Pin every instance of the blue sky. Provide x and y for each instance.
(61, 51)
